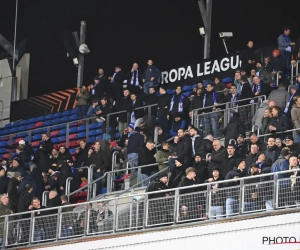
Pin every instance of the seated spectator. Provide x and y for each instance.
(251, 158)
(259, 114)
(234, 128)
(253, 138)
(241, 147)
(272, 151)
(163, 155)
(15, 167)
(94, 108)
(178, 123)
(63, 155)
(292, 146)
(218, 84)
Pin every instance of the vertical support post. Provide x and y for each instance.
(15, 37)
(81, 56)
(206, 13)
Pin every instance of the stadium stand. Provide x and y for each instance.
(153, 154)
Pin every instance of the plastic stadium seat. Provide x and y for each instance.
(22, 128)
(6, 156)
(3, 144)
(93, 133)
(65, 119)
(48, 123)
(35, 144)
(170, 91)
(62, 138)
(72, 151)
(14, 130)
(82, 128)
(73, 137)
(74, 117)
(62, 144)
(78, 123)
(73, 130)
(49, 117)
(73, 144)
(54, 133)
(187, 88)
(32, 120)
(205, 84)
(24, 122)
(57, 127)
(2, 150)
(158, 94)
(195, 85)
(81, 135)
(187, 93)
(117, 135)
(8, 125)
(39, 124)
(227, 80)
(37, 131)
(63, 132)
(21, 135)
(37, 137)
(57, 115)
(40, 118)
(30, 126)
(65, 113)
(91, 139)
(74, 111)
(56, 120)
(99, 137)
(55, 140)
(93, 126)
(6, 131)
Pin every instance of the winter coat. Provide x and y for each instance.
(280, 97)
(162, 156)
(233, 129)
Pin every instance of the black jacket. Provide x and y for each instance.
(184, 148)
(12, 192)
(4, 180)
(157, 186)
(163, 105)
(201, 171)
(122, 105)
(229, 164)
(217, 160)
(185, 182)
(24, 203)
(281, 122)
(150, 100)
(99, 159)
(245, 94)
(233, 129)
(139, 113)
(135, 143)
(205, 148)
(272, 153)
(146, 157)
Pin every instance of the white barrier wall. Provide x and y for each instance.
(279, 232)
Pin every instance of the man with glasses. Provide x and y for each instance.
(293, 147)
(217, 158)
(272, 151)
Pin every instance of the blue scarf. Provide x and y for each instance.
(260, 164)
(233, 100)
(286, 38)
(258, 88)
(288, 103)
(180, 104)
(214, 97)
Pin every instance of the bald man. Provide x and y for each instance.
(217, 158)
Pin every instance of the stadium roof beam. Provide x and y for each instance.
(206, 12)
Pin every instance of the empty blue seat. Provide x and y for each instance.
(40, 118)
(66, 112)
(8, 125)
(37, 137)
(82, 128)
(74, 111)
(117, 135)
(187, 93)
(65, 119)
(57, 115)
(32, 120)
(74, 117)
(24, 122)
(30, 126)
(55, 140)
(26, 138)
(14, 130)
(2, 150)
(49, 117)
(99, 125)
(93, 132)
(73, 130)
(195, 85)
(93, 126)
(81, 135)
(62, 138)
(3, 144)
(62, 131)
(170, 91)
(37, 131)
(72, 150)
(158, 94)
(22, 128)
(227, 80)
(57, 127)
(205, 84)
(48, 123)
(99, 137)
(187, 88)
(56, 120)
(20, 135)
(92, 139)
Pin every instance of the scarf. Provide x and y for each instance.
(180, 104)
(254, 88)
(286, 38)
(193, 143)
(214, 97)
(134, 78)
(260, 164)
(288, 103)
(113, 77)
(233, 103)
(132, 117)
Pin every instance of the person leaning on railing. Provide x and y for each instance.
(4, 210)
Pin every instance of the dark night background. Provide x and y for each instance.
(123, 32)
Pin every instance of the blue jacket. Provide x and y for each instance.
(152, 71)
(177, 125)
(282, 44)
(135, 143)
(281, 164)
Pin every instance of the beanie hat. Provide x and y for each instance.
(131, 125)
(277, 52)
(238, 162)
(163, 174)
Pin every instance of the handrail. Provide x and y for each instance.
(68, 184)
(2, 110)
(297, 67)
(276, 133)
(277, 79)
(44, 198)
(169, 190)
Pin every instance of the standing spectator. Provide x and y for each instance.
(136, 113)
(280, 96)
(82, 99)
(294, 92)
(216, 159)
(284, 45)
(134, 79)
(295, 113)
(151, 76)
(151, 99)
(12, 191)
(264, 77)
(248, 57)
(230, 159)
(163, 109)
(41, 156)
(179, 104)
(201, 169)
(101, 85)
(122, 105)
(259, 114)
(178, 123)
(4, 180)
(218, 84)
(237, 81)
(135, 144)
(234, 128)
(4, 210)
(116, 84)
(163, 155)
(25, 199)
(277, 63)
(272, 151)
(266, 121)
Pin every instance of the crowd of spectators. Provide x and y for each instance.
(194, 156)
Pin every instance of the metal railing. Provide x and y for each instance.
(1, 112)
(214, 201)
(293, 131)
